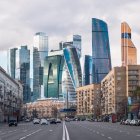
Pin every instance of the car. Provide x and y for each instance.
(67, 120)
(27, 120)
(122, 121)
(127, 122)
(36, 121)
(58, 120)
(12, 122)
(53, 121)
(135, 122)
(43, 122)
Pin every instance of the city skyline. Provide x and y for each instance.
(27, 24)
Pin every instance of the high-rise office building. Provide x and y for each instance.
(19, 68)
(11, 68)
(75, 41)
(100, 50)
(62, 74)
(129, 51)
(40, 51)
(87, 70)
(24, 63)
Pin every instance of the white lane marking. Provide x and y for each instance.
(51, 130)
(63, 137)
(67, 134)
(110, 138)
(30, 134)
(138, 135)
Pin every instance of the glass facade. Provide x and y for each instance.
(100, 50)
(87, 70)
(24, 62)
(12, 62)
(75, 41)
(73, 71)
(53, 69)
(62, 74)
(40, 51)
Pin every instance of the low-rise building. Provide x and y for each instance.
(11, 97)
(88, 100)
(43, 108)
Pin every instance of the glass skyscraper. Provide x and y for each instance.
(19, 68)
(75, 41)
(24, 62)
(100, 50)
(40, 51)
(87, 70)
(62, 73)
(12, 62)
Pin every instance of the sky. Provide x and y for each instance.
(21, 19)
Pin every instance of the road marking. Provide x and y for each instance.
(50, 130)
(30, 134)
(63, 137)
(67, 134)
(97, 132)
(110, 138)
(138, 135)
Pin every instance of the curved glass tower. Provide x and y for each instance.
(100, 50)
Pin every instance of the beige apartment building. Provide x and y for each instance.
(113, 88)
(88, 100)
(44, 108)
(117, 88)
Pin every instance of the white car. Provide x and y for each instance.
(43, 121)
(36, 121)
(134, 122)
(127, 122)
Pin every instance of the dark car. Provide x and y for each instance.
(53, 121)
(12, 122)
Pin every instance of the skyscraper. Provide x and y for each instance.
(129, 51)
(87, 70)
(100, 50)
(24, 63)
(40, 51)
(19, 68)
(12, 62)
(62, 73)
(75, 41)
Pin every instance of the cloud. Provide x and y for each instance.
(21, 19)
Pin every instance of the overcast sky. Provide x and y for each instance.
(21, 19)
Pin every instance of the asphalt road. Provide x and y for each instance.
(70, 131)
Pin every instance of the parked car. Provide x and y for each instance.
(27, 120)
(53, 121)
(44, 122)
(127, 122)
(122, 121)
(12, 122)
(67, 120)
(58, 120)
(36, 121)
(135, 122)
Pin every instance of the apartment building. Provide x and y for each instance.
(88, 100)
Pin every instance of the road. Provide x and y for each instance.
(70, 131)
